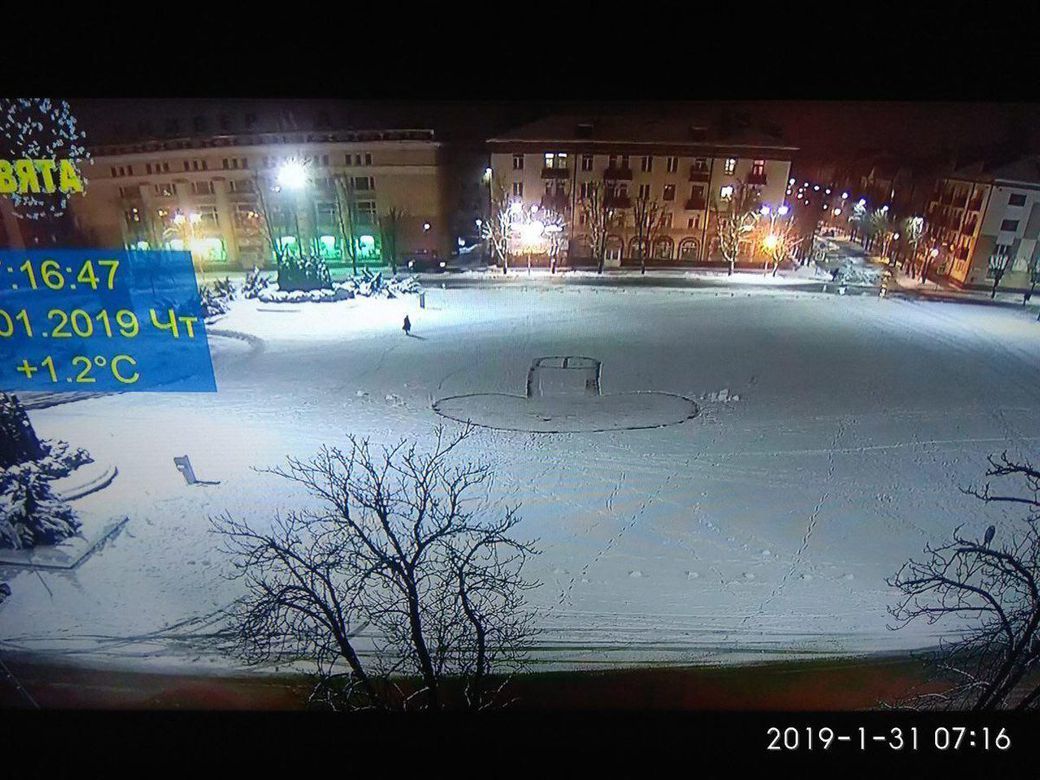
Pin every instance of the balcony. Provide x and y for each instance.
(623, 174)
(699, 173)
(618, 202)
(695, 204)
(756, 178)
(555, 201)
(975, 204)
(556, 173)
(968, 228)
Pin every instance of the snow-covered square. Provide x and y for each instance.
(831, 438)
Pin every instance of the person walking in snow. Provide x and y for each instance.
(407, 327)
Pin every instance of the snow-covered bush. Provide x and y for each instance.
(60, 460)
(303, 274)
(365, 285)
(30, 513)
(224, 288)
(212, 304)
(255, 283)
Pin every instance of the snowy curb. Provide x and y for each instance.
(69, 553)
(87, 479)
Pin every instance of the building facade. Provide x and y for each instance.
(208, 194)
(685, 168)
(985, 221)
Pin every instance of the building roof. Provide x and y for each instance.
(638, 129)
(1022, 169)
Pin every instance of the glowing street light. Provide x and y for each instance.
(783, 210)
(770, 242)
(194, 218)
(292, 175)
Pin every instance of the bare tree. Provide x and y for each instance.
(260, 220)
(649, 218)
(735, 222)
(780, 241)
(555, 228)
(991, 587)
(912, 232)
(390, 233)
(405, 546)
(346, 216)
(599, 216)
(496, 229)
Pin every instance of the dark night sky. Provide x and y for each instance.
(823, 130)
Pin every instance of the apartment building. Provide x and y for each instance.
(985, 218)
(200, 193)
(683, 166)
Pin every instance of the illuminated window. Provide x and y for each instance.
(731, 165)
(209, 249)
(328, 247)
(518, 189)
(368, 249)
(669, 191)
(726, 192)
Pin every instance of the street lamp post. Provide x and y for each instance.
(292, 176)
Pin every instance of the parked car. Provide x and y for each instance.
(425, 262)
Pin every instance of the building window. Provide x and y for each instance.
(1009, 225)
(758, 168)
(366, 212)
(586, 162)
(644, 191)
(518, 189)
(731, 166)
(555, 160)
(688, 249)
(669, 189)
(624, 162)
(127, 192)
(998, 259)
(202, 187)
(586, 189)
(364, 183)
(647, 163)
(518, 162)
(164, 190)
(368, 158)
(726, 192)
(673, 164)
(1016, 199)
